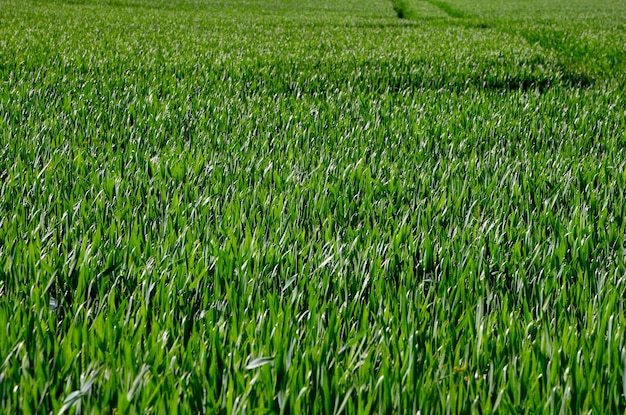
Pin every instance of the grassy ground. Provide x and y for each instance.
(312, 206)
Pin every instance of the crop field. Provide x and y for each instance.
(312, 206)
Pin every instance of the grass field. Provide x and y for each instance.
(312, 206)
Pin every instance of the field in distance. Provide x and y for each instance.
(304, 206)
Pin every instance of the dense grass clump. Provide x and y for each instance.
(312, 207)
(402, 9)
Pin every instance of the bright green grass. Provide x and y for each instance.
(312, 206)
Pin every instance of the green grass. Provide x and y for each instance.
(312, 207)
